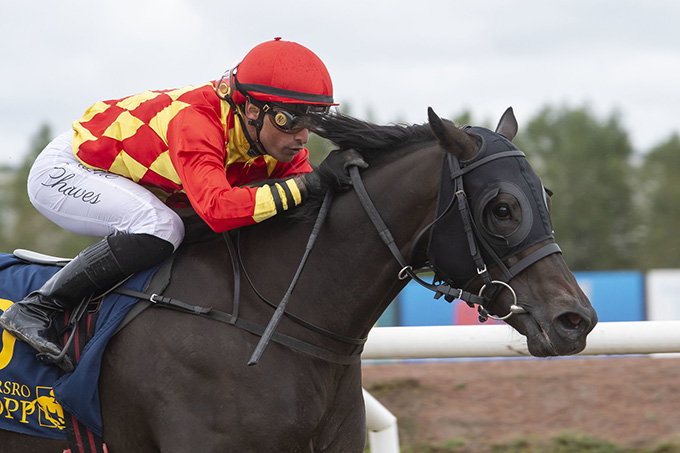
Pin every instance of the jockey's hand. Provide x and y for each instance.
(309, 183)
(335, 168)
(333, 172)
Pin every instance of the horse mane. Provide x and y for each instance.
(377, 144)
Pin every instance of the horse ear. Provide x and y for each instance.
(507, 126)
(451, 138)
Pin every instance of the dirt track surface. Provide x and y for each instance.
(631, 401)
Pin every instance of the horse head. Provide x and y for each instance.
(508, 255)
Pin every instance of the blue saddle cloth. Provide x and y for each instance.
(30, 391)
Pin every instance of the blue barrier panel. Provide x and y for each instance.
(418, 307)
(615, 295)
(390, 316)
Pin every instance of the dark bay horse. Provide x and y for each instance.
(173, 382)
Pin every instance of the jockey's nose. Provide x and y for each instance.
(302, 135)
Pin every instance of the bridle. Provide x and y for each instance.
(441, 286)
(452, 184)
(491, 287)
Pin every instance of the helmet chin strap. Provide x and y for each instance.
(258, 150)
(256, 147)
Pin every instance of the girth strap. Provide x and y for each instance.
(256, 329)
(157, 284)
(162, 278)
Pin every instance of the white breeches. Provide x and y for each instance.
(94, 202)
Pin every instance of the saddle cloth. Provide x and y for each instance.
(33, 397)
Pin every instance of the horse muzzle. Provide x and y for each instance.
(556, 332)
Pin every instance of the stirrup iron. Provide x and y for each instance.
(62, 360)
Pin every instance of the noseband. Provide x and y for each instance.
(442, 285)
(451, 192)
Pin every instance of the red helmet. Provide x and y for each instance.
(281, 71)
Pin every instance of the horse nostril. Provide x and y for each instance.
(571, 320)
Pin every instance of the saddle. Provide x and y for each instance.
(85, 331)
(159, 281)
(77, 392)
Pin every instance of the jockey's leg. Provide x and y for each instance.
(140, 231)
(96, 269)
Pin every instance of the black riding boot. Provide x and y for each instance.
(96, 269)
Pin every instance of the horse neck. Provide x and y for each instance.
(351, 275)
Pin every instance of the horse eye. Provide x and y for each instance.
(501, 211)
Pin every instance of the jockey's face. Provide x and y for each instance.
(282, 146)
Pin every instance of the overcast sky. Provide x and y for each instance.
(393, 58)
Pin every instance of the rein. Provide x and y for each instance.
(236, 252)
(482, 299)
(407, 270)
(267, 333)
(276, 317)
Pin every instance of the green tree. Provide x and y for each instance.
(586, 162)
(318, 148)
(463, 118)
(659, 202)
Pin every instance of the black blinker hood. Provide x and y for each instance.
(498, 167)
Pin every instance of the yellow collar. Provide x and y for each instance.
(237, 144)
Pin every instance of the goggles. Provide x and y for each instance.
(290, 122)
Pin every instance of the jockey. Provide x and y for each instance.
(129, 162)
